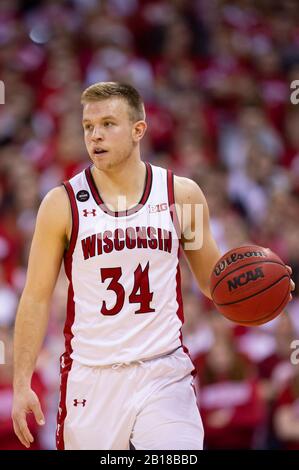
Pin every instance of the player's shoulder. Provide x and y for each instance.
(55, 208)
(187, 191)
(56, 198)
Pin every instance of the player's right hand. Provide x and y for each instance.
(25, 401)
(293, 286)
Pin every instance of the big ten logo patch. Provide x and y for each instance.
(157, 208)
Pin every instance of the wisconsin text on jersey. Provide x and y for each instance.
(131, 237)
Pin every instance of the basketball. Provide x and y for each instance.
(250, 285)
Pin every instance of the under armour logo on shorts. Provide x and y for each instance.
(78, 402)
(86, 213)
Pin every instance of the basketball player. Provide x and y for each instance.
(126, 379)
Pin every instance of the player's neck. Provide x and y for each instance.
(125, 179)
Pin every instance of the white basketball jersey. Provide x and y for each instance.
(124, 300)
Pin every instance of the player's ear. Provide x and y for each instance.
(139, 129)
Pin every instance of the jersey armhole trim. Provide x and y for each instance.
(171, 202)
(75, 218)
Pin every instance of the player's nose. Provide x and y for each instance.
(97, 134)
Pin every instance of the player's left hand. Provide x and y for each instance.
(292, 282)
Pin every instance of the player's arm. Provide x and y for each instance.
(286, 423)
(48, 245)
(199, 245)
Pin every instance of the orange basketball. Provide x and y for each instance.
(250, 285)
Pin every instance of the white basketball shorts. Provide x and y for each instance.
(148, 404)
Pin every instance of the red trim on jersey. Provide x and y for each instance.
(171, 202)
(75, 217)
(175, 220)
(97, 197)
(179, 297)
(176, 223)
(65, 360)
(180, 310)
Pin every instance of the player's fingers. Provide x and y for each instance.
(291, 280)
(20, 436)
(25, 431)
(289, 269)
(38, 414)
(25, 437)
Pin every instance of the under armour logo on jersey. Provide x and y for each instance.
(86, 213)
(157, 208)
(78, 402)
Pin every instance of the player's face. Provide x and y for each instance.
(108, 132)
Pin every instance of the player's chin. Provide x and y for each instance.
(99, 162)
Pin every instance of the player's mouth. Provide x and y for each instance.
(99, 151)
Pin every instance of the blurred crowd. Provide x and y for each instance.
(215, 76)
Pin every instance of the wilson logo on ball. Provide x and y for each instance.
(234, 258)
(244, 278)
(250, 285)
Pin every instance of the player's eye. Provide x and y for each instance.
(88, 127)
(108, 124)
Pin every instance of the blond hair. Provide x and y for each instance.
(105, 90)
